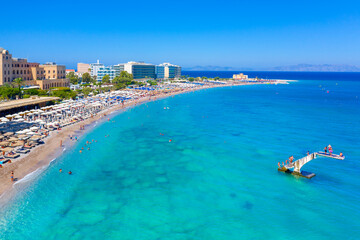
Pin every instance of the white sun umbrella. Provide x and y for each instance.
(17, 116)
(5, 120)
(30, 133)
(34, 128)
(26, 130)
(20, 132)
(20, 120)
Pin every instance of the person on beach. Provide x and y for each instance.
(12, 176)
(60, 143)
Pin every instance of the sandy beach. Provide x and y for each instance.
(42, 155)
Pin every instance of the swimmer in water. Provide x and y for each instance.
(88, 148)
(70, 172)
(341, 154)
(80, 151)
(60, 170)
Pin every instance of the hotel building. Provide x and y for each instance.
(139, 70)
(46, 76)
(112, 71)
(167, 71)
(95, 68)
(83, 68)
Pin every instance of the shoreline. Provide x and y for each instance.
(40, 158)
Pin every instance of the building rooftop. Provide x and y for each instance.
(25, 102)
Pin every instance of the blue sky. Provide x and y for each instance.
(239, 34)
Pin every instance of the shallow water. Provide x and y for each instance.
(216, 179)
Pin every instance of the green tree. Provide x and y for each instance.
(152, 82)
(123, 80)
(204, 78)
(191, 79)
(125, 74)
(18, 82)
(216, 78)
(86, 91)
(73, 78)
(106, 79)
(86, 78)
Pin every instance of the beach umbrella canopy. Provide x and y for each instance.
(17, 144)
(12, 139)
(26, 130)
(4, 143)
(34, 128)
(7, 149)
(5, 120)
(22, 136)
(8, 134)
(30, 133)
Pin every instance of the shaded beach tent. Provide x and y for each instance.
(34, 128)
(8, 134)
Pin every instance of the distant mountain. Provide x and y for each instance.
(317, 68)
(214, 68)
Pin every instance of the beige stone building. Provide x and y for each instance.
(46, 76)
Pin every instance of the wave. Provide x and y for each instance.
(31, 176)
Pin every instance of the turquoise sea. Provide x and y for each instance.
(216, 179)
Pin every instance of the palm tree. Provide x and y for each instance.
(99, 84)
(19, 82)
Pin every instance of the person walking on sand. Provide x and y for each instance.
(12, 176)
(60, 143)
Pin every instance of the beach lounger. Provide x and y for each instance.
(23, 151)
(12, 156)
